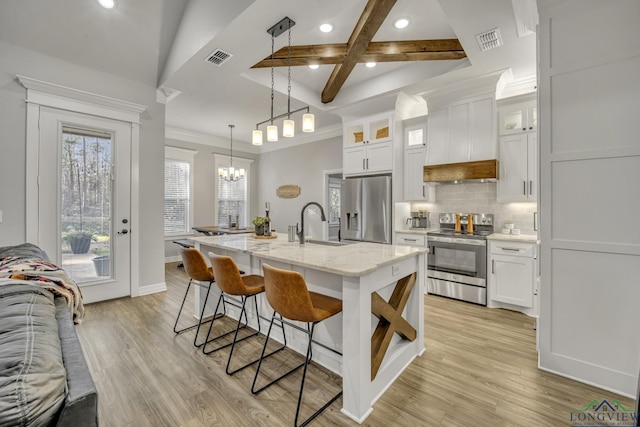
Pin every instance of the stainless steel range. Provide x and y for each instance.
(457, 260)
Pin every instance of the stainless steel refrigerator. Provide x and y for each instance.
(365, 209)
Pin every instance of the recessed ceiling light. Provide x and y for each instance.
(107, 4)
(314, 66)
(326, 28)
(370, 64)
(401, 23)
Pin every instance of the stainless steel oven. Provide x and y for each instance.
(457, 262)
(457, 268)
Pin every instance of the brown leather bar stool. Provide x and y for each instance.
(287, 293)
(200, 274)
(231, 283)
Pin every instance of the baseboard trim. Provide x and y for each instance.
(151, 289)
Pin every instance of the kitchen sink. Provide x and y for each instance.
(330, 242)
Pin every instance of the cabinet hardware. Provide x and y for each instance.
(524, 128)
(535, 221)
(423, 191)
(363, 164)
(524, 187)
(493, 266)
(511, 249)
(367, 164)
(410, 240)
(530, 127)
(530, 187)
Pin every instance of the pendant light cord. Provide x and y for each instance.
(288, 77)
(231, 150)
(272, 48)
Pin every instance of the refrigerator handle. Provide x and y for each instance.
(348, 220)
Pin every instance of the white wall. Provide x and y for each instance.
(589, 170)
(302, 165)
(19, 61)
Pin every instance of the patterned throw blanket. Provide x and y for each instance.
(33, 271)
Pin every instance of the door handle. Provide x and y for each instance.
(124, 231)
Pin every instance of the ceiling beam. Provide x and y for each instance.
(370, 21)
(395, 51)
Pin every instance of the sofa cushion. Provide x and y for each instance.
(32, 374)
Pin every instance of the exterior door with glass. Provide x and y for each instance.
(84, 200)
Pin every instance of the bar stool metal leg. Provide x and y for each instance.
(310, 330)
(236, 340)
(175, 326)
(304, 375)
(208, 340)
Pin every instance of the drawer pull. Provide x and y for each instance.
(511, 249)
(410, 240)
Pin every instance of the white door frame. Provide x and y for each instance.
(325, 197)
(41, 93)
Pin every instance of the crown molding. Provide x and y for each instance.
(57, 96)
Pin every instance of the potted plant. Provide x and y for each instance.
(258, 223)
(79, 241)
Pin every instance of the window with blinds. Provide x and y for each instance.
(178, 200)
(232, 202)
(232, 197)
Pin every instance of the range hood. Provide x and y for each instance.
(483, 170)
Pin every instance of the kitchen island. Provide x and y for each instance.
(381, 328)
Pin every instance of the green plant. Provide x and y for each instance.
(258, 221)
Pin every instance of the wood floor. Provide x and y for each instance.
(479, 369)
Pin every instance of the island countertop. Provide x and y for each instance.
(352, 260)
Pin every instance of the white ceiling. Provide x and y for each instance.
(164, 43)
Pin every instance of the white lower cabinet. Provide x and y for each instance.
(512, 278)
(413, 239)
(408, 239)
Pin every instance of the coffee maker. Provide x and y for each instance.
(419, 219)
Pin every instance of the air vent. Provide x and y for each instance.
(489, 40)
(219, 57)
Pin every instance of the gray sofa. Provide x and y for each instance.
(44, 378)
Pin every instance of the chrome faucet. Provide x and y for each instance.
(322, 218)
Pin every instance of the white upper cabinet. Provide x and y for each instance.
(462, 132)
(415, 135)
(370, 130)
(518, 168)
(518, 117)
(368, 145)
(415, 157)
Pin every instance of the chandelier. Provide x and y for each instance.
(231, 174)
(288, 125)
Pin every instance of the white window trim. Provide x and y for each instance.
(222, 161)
(188, 156)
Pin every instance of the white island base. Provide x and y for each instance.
(358, 274)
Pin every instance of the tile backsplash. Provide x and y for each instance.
(479, 198)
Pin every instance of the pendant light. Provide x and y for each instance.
(288, 125)
(231, 174)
